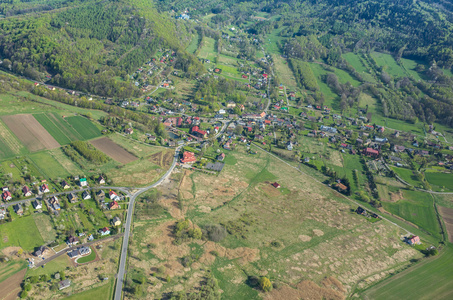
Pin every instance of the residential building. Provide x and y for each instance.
(37, 204)
(101, 180)
(116, 221)
(104, 231)
(72, 197)
(113, 195)
(114, 205)
(6, 196)
(72, 240)
(188, 157)
(64, 284)
(18, 209)
(26, 191)
(44, 188)
(371, 152)
(83, 182)
(65, 185)
(86, 195)
(55, 203)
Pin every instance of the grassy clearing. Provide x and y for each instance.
(48, 165)
(329, 95)
(430, 279)
(84, 127)
(207, 50)
(440, 179)
(284, 72)
(45, 227)
(389, 63)
(193, 46)
(22, 232)
(135, 147)
(58, 264)
(410, 66)
(65, 161)
(416, 207)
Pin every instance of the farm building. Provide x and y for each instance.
(276, 185)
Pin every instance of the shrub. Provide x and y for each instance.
(215, 233)
(265, 284)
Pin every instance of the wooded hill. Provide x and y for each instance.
(86, 44)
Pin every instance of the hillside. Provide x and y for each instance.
(85, 45)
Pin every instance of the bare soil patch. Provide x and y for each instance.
(32, 134)
(244, 254)
(447, 215)
(396, 196)
(331, 289)
(10, 288)
(304, 238)
(113, 150)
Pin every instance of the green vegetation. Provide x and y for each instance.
(440, 179)
(84, 127)
(429, 279)
(304, 75)
(48, 165)
(89, 152)
(88, 258)
(22, 232)
(103, 292)
(54, 131)
(417, 208)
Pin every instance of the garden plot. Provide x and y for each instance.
(9, 145)
(32, 134)
(113, 150)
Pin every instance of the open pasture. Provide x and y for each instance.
(113, 150)
(32, 134)
(441, 180)
(52, 128)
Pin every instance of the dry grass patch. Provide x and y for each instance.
(30, 132)
(330, 289)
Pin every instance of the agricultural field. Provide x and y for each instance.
(53, 129)
(113, 150)
(433, 278)
(84, 127)
(418, 208)
(441, 180)
(407, 175)
(9, 145)
(360, 65)
(314, 235)
(32, 134)
(48, 165)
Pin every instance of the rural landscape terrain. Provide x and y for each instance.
(185, 149)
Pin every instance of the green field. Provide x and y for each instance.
(207, 50)
(84, 127)
(21, 232)
(430, 279)
(416, 207)
(49, 165)
(88, 258)
(193, 46)
(53, 129)
(410, 66)
(440, 179)
(103, 292)
(389, 63)
(407, 175)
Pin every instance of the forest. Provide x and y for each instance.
(86, 46)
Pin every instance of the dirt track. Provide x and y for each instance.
(32, 134)
(10, 288)
(447, 215)
(113, 150)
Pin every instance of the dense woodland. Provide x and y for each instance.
(87, 46)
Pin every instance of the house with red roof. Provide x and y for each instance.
(188, 157)
(412, 240)
(44, 188)
(6, 196)
(26, 191)
(113, 195)
(276, 185)
(114, 205)
(198, 132)
(104, 231)
(371, 152)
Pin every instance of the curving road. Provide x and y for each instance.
(127, 229)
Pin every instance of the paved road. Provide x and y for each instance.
(127, 229)
(64, 251)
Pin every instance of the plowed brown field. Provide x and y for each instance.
(10, 288)
(30, 132)
(113, 150)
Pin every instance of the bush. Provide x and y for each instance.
(215, 233)
(265, 284)
(24, 294)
